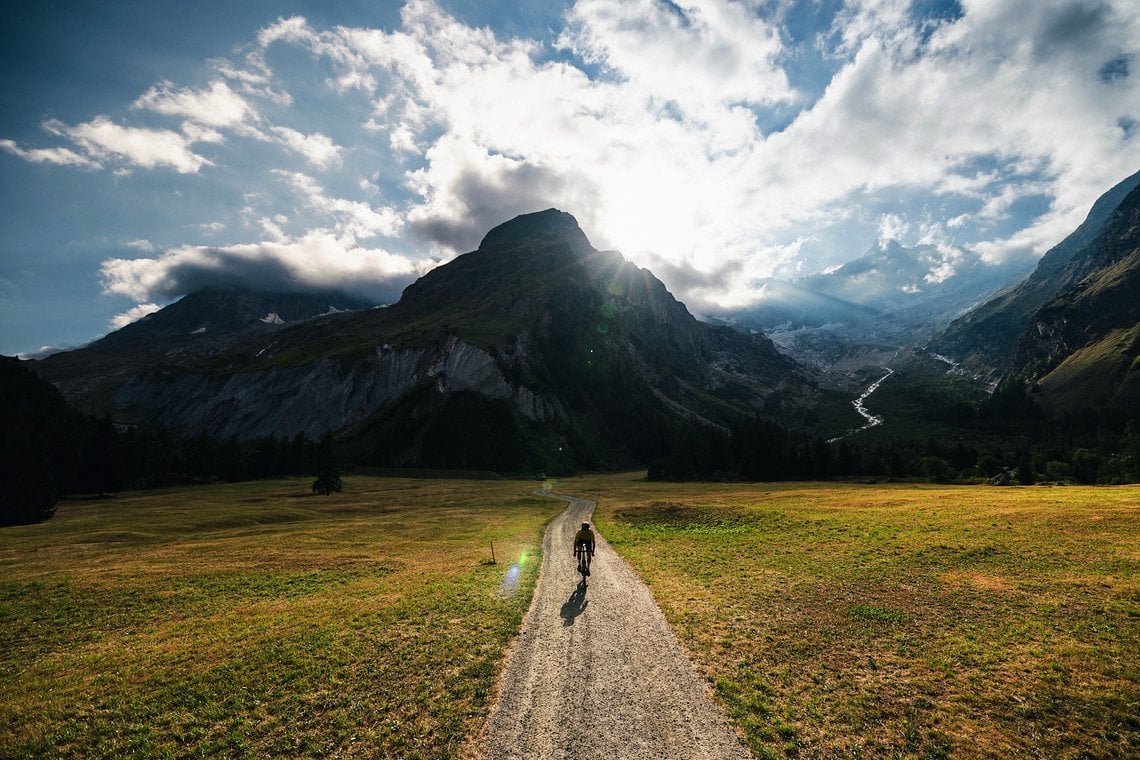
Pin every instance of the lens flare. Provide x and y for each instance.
(510, 582)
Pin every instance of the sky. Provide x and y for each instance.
(149, 148)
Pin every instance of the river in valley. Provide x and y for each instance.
(872, 420)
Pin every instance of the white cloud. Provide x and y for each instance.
(43, 352)
(861, 20)
(354, 219)
(519, 136)
(197, 133)
(255, 78)
(58, 156)
(293, 29)
(911, 114)
(695, 53)
(272, 229)
(317, 259)
(467, 191)
(891, 227)
(147, 148)
(1026, 243)
(215, 106)
(133, 315)
(142, 245)
(317, 149)
(940, 273)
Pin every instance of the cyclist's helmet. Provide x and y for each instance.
(586, 526)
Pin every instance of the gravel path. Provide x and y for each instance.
(597, 673)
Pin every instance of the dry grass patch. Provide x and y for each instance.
(260, 620)
(899, 620)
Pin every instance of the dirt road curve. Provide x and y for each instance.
(597, 673)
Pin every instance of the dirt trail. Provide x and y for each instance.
(597, 673)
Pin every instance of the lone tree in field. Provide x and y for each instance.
(328, 476)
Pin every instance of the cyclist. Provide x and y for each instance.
(584, 547)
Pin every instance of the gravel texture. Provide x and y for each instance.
(596, 672)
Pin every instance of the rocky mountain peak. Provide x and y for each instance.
(542, 228)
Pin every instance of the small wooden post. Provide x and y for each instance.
(493, 562)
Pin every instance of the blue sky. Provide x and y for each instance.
(149, 148)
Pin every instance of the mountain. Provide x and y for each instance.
(916, 287)
(227, 310)
(984, 340)
(533, 351)
(1081, 351)
(890, 296)
(201, 325)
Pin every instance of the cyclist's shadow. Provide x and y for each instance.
(575, 605)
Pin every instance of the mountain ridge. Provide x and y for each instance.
(1082, 348)
(199, 327)
(985, 339)
(566, 348)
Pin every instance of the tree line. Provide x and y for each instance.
(992, 445)
(49, 451)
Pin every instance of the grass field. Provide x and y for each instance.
(899, 620)
(260, 620)
(833, 620)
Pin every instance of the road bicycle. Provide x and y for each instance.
(584, 556)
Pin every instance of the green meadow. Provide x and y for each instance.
(260, 620)
(832, 620)
(899, 620)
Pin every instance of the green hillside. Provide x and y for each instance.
(1105, 374)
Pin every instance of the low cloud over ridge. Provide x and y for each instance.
(318, 260)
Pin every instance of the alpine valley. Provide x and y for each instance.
(537, 352)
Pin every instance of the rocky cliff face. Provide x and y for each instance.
(325, 395)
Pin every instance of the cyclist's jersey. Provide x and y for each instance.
(584, 538)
